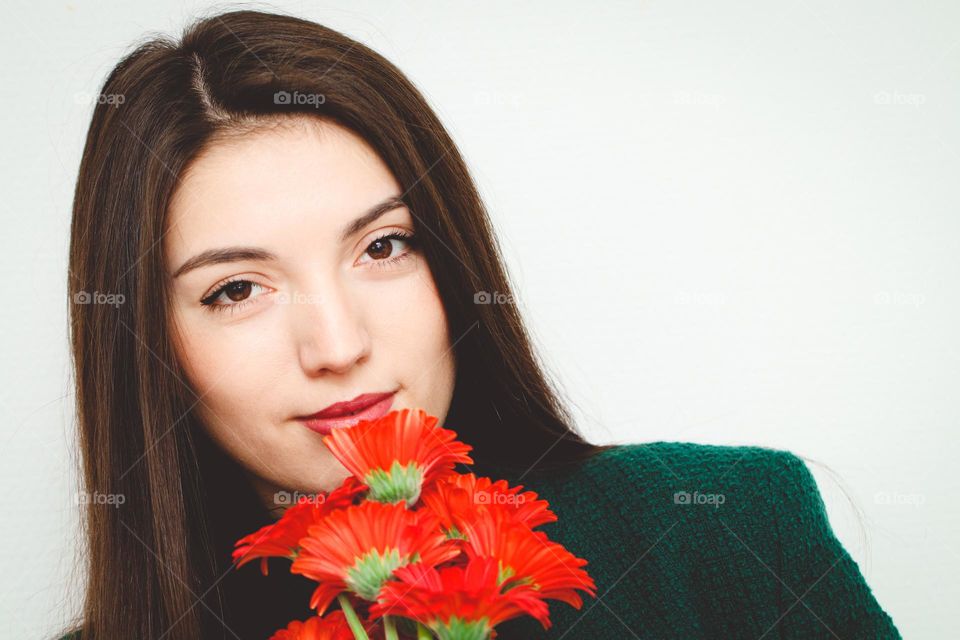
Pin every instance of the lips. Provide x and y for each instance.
(348, 407)
(368, 406)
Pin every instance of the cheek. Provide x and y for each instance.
(235, 370)
(228, 367)
(408, 320)
(414, 339)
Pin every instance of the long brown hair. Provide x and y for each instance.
(150, 560)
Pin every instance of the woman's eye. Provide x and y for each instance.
(384, 248)
(235, 293)
(383, 252)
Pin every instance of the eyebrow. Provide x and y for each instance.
(237, 254)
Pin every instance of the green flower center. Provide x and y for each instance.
(504, 573)
(457, 628)
(371, 570)
(399, 483)
(506, 580)
(454, 533)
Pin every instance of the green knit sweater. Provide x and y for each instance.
(699, 541)
(694, 541)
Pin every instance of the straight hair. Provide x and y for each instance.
(153, 564)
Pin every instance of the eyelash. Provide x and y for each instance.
(409, 238)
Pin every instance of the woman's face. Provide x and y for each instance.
(333, 315)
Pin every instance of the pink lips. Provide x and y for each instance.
(368, 406)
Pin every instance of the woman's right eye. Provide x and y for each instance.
(236, 290)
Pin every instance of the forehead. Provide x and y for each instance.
(291, 173)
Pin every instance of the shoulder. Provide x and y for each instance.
(718, 529)
(650, 487)
(739, 519)
(654, 520)
(692, 460)
(698, 508)
(718, 489)
(708, 473)
(641, 474)
(765, 489)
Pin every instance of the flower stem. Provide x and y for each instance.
(389, 628)
(359, 633)
(422, 632)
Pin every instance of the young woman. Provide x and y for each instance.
(293, 232)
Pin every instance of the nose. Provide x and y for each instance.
(332, 336)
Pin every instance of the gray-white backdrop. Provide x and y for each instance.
(728, 222)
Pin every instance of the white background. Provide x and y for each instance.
(728, 222)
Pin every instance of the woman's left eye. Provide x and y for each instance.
(383, 252)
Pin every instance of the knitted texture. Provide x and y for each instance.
(686, 541)
(700, 541)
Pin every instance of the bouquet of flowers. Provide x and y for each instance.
(410, 548)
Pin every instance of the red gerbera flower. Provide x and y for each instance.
(359, 547)
(331, 627)
(458, 497)
(528, 557)
(396, 454)
(458, 603)
(282, 538)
